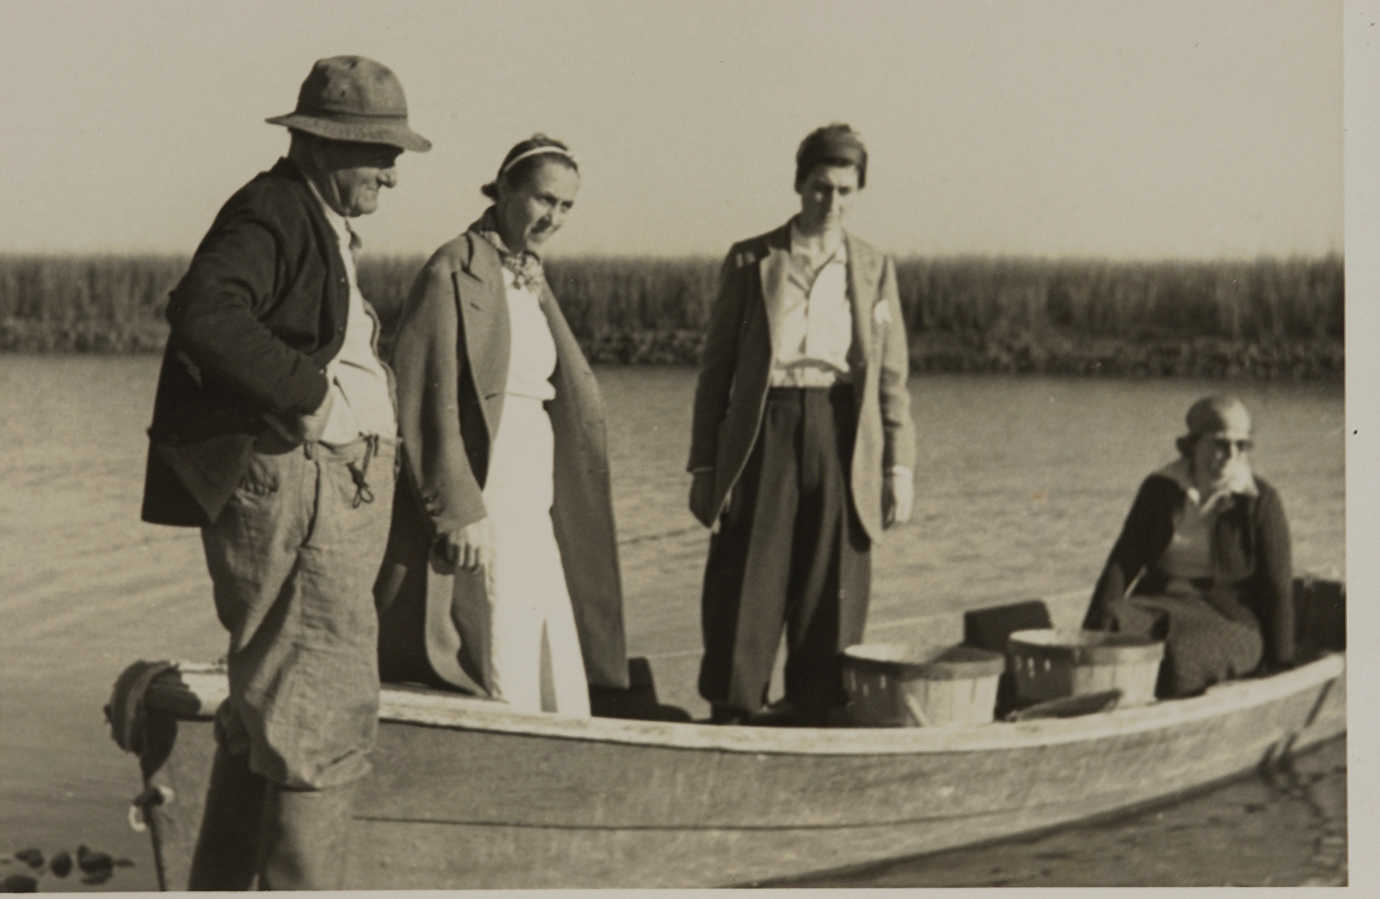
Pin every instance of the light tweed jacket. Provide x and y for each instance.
(735, 369)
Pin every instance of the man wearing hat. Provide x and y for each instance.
(274, 432)
(801, 445)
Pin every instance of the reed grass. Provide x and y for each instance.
(1268, 317)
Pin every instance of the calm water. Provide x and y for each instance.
(1021, 483)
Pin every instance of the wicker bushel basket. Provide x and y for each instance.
(1051, 664)
(896, 685)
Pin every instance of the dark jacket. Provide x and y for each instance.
(259, 313)
(1251, 559)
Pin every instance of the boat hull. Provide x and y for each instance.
(466, 794)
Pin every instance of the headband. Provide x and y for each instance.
(536, 151)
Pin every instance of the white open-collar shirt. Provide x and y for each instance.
(363, 399)
(815, 328)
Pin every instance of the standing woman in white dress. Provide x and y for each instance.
(501, 576)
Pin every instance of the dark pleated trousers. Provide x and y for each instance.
(790, 553)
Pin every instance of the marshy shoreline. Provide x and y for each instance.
(1265, 319)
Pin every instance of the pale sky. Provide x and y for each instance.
(1120, 128)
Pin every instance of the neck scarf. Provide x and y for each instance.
(525, 265)
(1239, 480)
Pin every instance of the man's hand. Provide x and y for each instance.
(471, 548)
(314, 425)
(898, 497)
(303, 428)
(702, 497)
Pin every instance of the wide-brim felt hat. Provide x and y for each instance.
(353, 98)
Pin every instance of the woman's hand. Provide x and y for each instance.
(898, 497)
(702, 497)
(471, 548)
(1115, 616)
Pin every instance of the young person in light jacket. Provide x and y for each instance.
(802, 444)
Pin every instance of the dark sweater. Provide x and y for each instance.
(258, 315)
(1251, 560)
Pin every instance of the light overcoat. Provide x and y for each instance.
(451, 361)
(735, 369)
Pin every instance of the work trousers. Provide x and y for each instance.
(789, 552)
(292, 560)
(257, 832)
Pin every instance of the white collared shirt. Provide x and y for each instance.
(363, 399)
(815, 328)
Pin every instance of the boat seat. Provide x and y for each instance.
(989, 628)
(1319, 617)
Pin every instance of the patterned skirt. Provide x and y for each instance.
(1203, 646)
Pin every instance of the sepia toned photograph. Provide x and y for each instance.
(616, 445)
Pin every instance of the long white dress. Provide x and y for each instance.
(534, 661)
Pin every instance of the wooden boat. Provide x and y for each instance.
(468, 794)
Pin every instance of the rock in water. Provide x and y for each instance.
(19, 883)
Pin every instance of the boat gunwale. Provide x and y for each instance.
(467, 713)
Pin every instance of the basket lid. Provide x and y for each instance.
(1087, 645)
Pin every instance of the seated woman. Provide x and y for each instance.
(1203, 560)
(501, 574)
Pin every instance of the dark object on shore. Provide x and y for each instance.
(94, 862)
(31, 857)
(96, 865)
(19, 883)
(61, 865)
